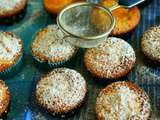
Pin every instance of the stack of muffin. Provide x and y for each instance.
(63, 90)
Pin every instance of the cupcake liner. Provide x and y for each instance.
(12, 19)
(59, 64)
(71, 112)
(12, 69)
(48, 64)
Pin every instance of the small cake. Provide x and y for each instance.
(110, 60)
(4, 98)
(49, 46)
(9, 8)
(11, 51)
(55, 6)
(109, 3)
(126, 19)
(61, 91)
(101, 20)
(123, 101)
(150, 43)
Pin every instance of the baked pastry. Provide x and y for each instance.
(10, 8)
(49, 46)
(150, 43)
(11, 52)
(55, 6)
(123, 101)
(100, 20)
(61, 91)
(109, 3)
(111, 60)
(126, 19)
(4, 98)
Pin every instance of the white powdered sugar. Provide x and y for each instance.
(123, 103)
(151, 43)
(4, 97)
(10, 46)
(49, 42)
(1, 93)
(111, 56)
(112, 52)
(128, 104)
(6, 5)
(61, 89)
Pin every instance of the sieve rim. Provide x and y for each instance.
(59, 18)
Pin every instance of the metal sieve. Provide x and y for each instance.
(87, 24)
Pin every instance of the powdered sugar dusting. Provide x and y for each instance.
(113, 55)
(123, 104)
(151, 42)
(1, 93)
(10, 45)
(8, 4)
(4, 97)
(61, 90)
(50, 43)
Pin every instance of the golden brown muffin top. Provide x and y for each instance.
(61, 90)
(49, 45)
(123, 101)
(110, 59)
(151, 43)
(4, 97)
(10, 49)
(11, 7)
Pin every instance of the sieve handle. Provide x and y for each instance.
(116, 6)
(126, 4)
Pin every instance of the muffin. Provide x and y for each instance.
(126, 19)
(55, 6)
(110, 60)
(150, 43)
(5, 98)
(61, 91)
(10, 8)
(11, 52)
(123, 101)
(109, 3)
(49, 46)
(101, 20)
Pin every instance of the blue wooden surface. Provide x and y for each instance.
(22, 85)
